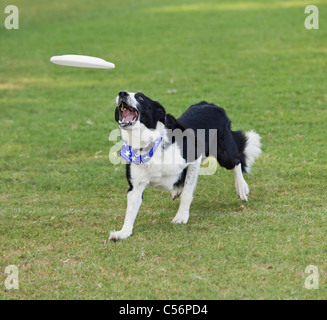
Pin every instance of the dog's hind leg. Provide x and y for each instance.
(249, 147)
(241, 186)
(191, 179)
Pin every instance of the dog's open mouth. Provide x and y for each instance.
(127, 114)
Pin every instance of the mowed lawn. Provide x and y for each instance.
(61, 196)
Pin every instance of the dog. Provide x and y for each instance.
(167, 153)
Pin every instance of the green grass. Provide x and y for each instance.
(60, 195)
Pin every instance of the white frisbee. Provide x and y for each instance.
(73, 60)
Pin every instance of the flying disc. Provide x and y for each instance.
(73, 60)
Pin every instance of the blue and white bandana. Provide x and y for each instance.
(128, 153)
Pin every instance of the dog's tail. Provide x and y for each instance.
(252, 149)
(249, 147)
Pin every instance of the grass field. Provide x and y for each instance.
(60, 195)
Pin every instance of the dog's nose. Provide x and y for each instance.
(123, 94)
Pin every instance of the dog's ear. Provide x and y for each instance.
(116, 114)
(160, 113)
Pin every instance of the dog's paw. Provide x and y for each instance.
(181, 218)
(175, 194)
(119, 235)
(242, 189)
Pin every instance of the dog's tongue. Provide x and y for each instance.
(128, 115)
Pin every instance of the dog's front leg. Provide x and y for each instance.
(134, 201)
(191, 179)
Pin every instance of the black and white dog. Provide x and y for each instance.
(166, 153)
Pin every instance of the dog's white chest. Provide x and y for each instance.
(164, 181)
(163, 170)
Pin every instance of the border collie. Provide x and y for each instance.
(166, 153)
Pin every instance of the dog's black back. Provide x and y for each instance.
(220, 141)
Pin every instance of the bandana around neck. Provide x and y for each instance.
(129, 154)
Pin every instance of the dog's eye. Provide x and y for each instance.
(140, 98)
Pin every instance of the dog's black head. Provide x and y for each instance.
(136, 107)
